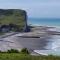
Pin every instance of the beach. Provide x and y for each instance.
(40, 38)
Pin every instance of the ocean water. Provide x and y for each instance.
(44, 21)
(53, 46)
(52, 22)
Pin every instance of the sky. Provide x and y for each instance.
(34, 8)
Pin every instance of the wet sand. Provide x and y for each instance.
(16, 41)
(33, 43)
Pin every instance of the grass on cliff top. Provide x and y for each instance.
(13, 16)
(18, 56)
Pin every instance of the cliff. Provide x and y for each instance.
(13, 19)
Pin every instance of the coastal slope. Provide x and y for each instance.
(13, 19)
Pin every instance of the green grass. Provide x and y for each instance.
(23, 55)
(18, 56)
(13, 16)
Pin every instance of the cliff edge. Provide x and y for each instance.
(13, 20)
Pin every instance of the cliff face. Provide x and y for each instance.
(13, 19)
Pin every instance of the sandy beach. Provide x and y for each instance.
(26, 40)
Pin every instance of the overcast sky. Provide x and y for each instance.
(35, 8)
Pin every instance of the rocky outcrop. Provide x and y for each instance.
(13, 19)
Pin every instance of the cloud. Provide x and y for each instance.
(34, 8)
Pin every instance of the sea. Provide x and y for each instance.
(53, 46)
(44, 21)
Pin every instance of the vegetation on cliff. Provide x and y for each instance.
(13, 19)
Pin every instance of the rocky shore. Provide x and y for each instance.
(37, 39)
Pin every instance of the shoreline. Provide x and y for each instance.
(28, 40)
